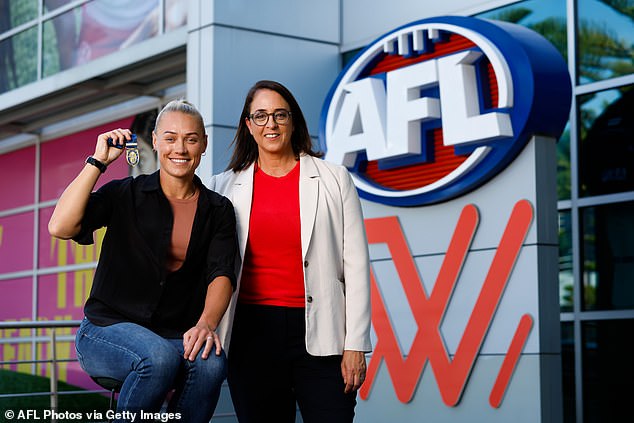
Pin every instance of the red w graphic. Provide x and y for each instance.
(451, 374)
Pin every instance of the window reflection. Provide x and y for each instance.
(606, 152)
(608, 370)
(608, 256)
(142, 126)
(546, 17)
(89, 31)
(568, 371)
(566, 290)
(18, 60)
(175, 14)
(15, 13)
(109, 25)
(605, 39)
(51, 5)
(59, 43)
(563, 164)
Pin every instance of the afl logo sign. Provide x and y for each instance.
(434, 109)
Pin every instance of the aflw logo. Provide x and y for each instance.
(436, 108)
(428, 310)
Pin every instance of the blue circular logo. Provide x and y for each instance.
(434, 109)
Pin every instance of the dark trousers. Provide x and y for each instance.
(270, 371)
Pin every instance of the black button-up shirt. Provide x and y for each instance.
(132, 283)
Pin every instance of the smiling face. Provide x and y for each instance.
(179, 141)
(272, 138)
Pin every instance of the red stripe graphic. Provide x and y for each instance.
(451, 374)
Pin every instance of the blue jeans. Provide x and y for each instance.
(150, 366)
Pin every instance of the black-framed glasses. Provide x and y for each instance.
(260, 118)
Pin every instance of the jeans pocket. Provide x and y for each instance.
(78, 337)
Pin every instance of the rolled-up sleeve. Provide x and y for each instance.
(223, 247)
(97, 213)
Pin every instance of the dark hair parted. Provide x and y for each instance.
(245, 149)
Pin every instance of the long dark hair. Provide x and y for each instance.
(245, 149)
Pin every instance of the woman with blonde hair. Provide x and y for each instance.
(165, 273)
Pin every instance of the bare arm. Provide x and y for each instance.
(69, 211)
(203, 334)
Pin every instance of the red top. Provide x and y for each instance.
(272, 273)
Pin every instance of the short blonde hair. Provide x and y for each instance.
(181, 106)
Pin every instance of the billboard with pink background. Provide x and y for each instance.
(31, 287)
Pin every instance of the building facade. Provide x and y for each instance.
(70, 69)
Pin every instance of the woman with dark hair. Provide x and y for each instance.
(301, 326)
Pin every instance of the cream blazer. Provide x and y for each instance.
(334, 251)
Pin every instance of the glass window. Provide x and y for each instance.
(59, 44)
(175, 14)
(18, 64)
(18, 167)
(568, 371)
(563, 165)
(50, 5)
(565, 262)
(106, 26)
(606, 151)
(605, 37)
(91, 30)
(15, 13)
(608, 370)
(608, 256)
(546, 17)
(142, 126)
(348, 56)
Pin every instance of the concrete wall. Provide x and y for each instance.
(233, 44)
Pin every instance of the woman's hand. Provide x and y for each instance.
(200, 336)
(353, 369)
(66, 219)
(106, 154)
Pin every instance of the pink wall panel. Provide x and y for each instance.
(61, 296)
(64, 157)
(17, 171)
(16, 297)
(16, 242)
(55, 252)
